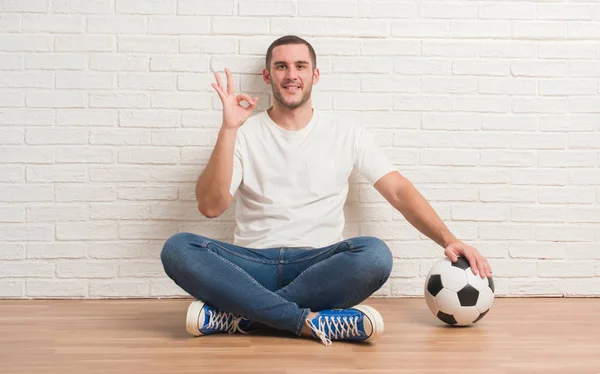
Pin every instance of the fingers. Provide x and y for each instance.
(219, 87)
(230, 90)
(482, 270)
(472, 261)
(219, 81)
(223, 93)
(488, 269)
(479, 265)
(451, 254)
(229, 82)
(242, 97)
(220, 91)
(251, 101)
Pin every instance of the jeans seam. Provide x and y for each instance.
(207, 243)
(317, 254)
(304, 311)
(303, 317)
(248, 276)
(300, 276)
(280, 267)
(353, 295)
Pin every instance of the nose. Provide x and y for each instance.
(291, 73)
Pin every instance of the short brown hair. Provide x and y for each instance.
(290, 39)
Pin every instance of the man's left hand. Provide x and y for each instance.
(479, 264)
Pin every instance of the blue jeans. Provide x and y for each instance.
(277, 287)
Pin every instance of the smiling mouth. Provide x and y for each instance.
(291, 88)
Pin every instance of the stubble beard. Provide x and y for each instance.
(291, 105)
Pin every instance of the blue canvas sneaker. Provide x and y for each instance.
(359, 323)
(203, 319)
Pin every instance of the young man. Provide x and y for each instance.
(289, 267)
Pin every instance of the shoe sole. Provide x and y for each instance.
(191, 320)
(376, 320)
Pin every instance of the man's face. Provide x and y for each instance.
(291, 75)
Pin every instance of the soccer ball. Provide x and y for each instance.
(455, 295)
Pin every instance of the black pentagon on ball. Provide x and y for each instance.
(461, 263)
(434, 286)
(481, 316)
(468, 296)
(446, 318)
(491, 283)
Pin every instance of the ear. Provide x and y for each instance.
(266, 76)
(316, 76)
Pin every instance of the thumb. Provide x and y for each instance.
(252, 104)
(452, 255)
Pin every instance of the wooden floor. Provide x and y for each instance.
(148, 336)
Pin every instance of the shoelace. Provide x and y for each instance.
(225, 321)
(337, 328)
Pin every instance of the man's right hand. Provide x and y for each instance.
(234, 114)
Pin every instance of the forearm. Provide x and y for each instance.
(212, 187)
(418, 212)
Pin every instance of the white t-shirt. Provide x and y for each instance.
(292, 185)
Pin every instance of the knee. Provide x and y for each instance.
(380, 256)
(174, 248)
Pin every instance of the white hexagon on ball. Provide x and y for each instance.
(455, 295)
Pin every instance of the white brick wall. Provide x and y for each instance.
(107, 117)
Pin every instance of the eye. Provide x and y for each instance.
(280, 67)
(300, 67)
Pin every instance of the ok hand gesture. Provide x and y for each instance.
(234, 114)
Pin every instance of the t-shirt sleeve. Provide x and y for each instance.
(236, 177)
(369, 159)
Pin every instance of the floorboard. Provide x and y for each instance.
(519, 335)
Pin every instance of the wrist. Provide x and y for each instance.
(228, 130)
(448, 239)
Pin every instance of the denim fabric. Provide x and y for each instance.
(277, 287)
